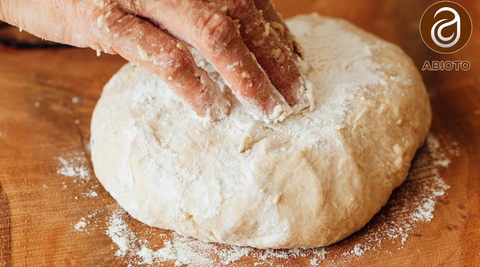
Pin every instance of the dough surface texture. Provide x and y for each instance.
(308, 181)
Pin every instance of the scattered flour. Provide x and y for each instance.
(91, 193)
(80, 225)
(120, 234)
(439, 157)
(90, 220)
(179, 250)
(358, 250)
(77, 167)
(74, 167)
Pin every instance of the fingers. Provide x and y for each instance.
(142, 43)
(219, 40)
(278, 24)
(196, 23)
(264, 42)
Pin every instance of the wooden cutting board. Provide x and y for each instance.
(47, 97)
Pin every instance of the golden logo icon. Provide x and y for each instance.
(445, 27)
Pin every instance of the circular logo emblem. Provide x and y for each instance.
(445, 27)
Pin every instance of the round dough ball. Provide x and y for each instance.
(308, 181)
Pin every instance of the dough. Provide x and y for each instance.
(308, 181)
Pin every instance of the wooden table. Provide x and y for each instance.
(47, 97)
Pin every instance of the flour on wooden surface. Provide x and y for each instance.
(74, 167)
(86, 224)
(80, 225)
(91, 193)
(120, 234)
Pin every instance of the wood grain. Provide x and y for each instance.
(5, 259)
(39, 207)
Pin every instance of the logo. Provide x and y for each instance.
(445, 27)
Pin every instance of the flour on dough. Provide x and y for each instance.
(308, 181)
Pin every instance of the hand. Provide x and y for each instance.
(232, 34)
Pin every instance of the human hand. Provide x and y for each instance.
(237, 36)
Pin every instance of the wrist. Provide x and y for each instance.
(2, 16)
(3, 10)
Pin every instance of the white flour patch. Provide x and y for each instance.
(439, 156)
(91, 193)
(357, 250)
(120, 234)
(77, 167)
(74, 167)
(89, 221)
(80, 225)
(178, 249)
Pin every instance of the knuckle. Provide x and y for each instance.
(121, 23)
(241, 7)
(264, 4)
(173, 60)
(219, 31)
(132, 5)
(108, 17)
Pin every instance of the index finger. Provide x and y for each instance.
(276, 21)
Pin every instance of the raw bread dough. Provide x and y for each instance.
(308, 181)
